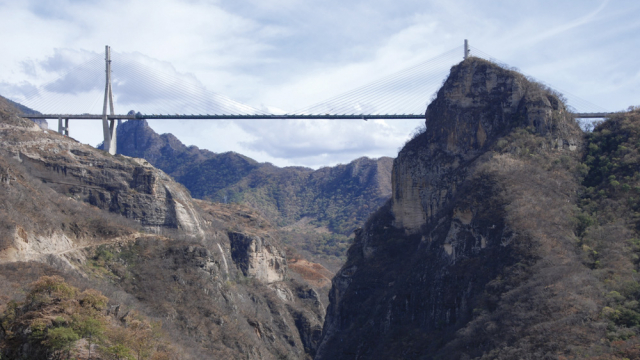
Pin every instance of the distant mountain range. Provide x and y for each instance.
(320, 207)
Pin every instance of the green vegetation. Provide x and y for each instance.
(215, 174)
(75, 229)
(326, 248)
(55, 316)
(339, 198)
(61, 340)
(608, 225)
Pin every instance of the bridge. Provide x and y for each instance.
(378, 100)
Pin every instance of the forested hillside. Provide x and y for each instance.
(509, 234)
(608, 225)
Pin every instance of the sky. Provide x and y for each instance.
(283, 56)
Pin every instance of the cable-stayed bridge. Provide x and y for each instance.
(157, 93)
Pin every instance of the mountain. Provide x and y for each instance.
(317, 209)
(477, 255)
(509, 234)
(111, 243)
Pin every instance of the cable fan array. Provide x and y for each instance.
(153, 90)
(404, 92)
(152, 87)
(62, 94)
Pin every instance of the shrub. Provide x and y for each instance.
(47, 288)
(93, 299)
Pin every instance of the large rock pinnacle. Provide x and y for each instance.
(479, 103)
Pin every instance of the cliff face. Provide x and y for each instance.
(215, 274)
(474, 256)
(479, 104)
(257, 257)
(131, 187)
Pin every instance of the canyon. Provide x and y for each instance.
(501, 230)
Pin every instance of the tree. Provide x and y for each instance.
(119, 352)
(143, 341)
(93, 299)
(61, 340)
(90, 328)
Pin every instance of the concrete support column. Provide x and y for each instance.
(63, 128)
(108, 125)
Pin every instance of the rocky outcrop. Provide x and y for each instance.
(127, 186)
(307, 204)
(478, 226)
(257, 257)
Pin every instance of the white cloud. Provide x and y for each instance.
(557, 30)
(289, 54)
(315, 143)
(305, 138)
(145, 84)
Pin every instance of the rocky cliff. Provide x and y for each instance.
(475, 255)
(214, 274)
(480, 104)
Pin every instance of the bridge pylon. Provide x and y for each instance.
(466, 49)
(108, 125)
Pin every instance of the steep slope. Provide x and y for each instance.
(475, 254)
(215, 275)
(319, 208)
(4, 102)
(608, 226)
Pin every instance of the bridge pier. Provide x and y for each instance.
(63, 129)
(110, 136)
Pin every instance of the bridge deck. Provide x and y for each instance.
(258, 117)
